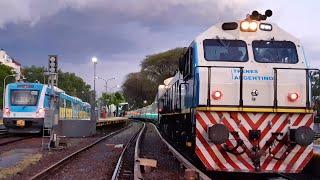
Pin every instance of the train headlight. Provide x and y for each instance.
(218, 133)
(249, 26)
(216, 95)
(302, 136)
(253, 26)
(293, 96)
(40, 112)
(245, 25)
(7, 111)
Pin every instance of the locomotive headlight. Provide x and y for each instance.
(253, 26)
(293, 96)
(248, 26)
(7, 111)
(302, 136)
(216, 95)
(218, 133)
(245, 25)
(39, 112)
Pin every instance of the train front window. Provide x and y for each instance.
(275, 52)
(24, 97)
(225, 50)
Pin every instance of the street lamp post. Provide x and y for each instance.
(94, 61)
(106, 80)
(117, 86)
(4, 87)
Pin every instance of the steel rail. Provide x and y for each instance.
(46, 172)
(286, 176)
(13, 141)
(186, 163)
(137, 171)
(118, 167)
(3, 133)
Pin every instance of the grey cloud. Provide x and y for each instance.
(143, 11)
(120, 33)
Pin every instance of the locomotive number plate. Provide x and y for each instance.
(21, 123)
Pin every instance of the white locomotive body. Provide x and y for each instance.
(242, 99)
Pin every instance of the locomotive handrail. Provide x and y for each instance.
(275, 84)
(227, 67)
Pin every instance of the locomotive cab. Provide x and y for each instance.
(25, 107)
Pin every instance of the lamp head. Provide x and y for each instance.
(94, 59)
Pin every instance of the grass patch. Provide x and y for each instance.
(27, 161)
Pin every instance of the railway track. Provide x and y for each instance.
(3, 132)
(11, 139)
(49, 172)
(118, 169)
(138, 174)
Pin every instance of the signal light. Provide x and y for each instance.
(53, 63)
(217, 95)
(248, 26)
(293, 97)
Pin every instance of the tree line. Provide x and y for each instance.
(143, 85)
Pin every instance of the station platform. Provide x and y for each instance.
(111, 120)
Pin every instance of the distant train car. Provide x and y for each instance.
(149, 113)
(242, 99)
(26, 105)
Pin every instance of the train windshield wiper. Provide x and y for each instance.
(223, 43)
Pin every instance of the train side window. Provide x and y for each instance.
(187, 66)
(68, 104)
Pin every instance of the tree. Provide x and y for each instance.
(74, 85)
(33, 74)
(4, 71)
(159, 67)
(138, 88)
(155, 69)
(113, 98)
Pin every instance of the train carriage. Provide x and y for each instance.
(242, 99)
(26, 105)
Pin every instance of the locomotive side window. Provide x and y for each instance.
(225, 50)
(275, 52)
(187, 64)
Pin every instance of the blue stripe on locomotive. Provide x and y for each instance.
(197, 77)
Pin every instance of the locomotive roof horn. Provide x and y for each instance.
(255, 15)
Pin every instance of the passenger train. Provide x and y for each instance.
(26, 106)
(241, 100)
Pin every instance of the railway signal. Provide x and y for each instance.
(53, 63)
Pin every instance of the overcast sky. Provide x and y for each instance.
(120, 33)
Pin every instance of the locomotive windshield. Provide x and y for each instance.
(225, 50)
(275, 52)
(24, 97)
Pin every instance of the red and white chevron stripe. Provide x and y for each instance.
(214, 157)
